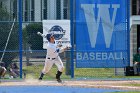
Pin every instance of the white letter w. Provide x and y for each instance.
(104, 16)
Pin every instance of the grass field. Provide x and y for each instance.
(35, 70)
(79, 73)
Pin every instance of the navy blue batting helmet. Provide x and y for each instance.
(48, 36)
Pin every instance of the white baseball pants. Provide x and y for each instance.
(49, 63)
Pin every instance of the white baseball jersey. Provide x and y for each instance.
(52, 57)
(52, 50)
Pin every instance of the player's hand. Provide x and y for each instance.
(59, 45)
(68, 47)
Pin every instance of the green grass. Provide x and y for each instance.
(126, 92)
(34, 71)
(132, 84)
(93, 72)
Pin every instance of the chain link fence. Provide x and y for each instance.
(33, 54)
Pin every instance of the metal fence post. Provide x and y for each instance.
(72, 37)
(68, 63)
(20, 36)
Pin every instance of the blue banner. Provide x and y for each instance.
(101, 33)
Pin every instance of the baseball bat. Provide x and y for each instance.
(59, 45)
(39, 33)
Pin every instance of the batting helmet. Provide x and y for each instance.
(48, 36)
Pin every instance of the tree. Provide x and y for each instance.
(31, 40)
(34, 40)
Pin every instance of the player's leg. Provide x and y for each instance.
(60, 67)
(47, 67)
(135, 68)
(1, 71)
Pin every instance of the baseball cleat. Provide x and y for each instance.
(40, 79)
(59, 80)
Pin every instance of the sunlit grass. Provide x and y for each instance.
(91, 73)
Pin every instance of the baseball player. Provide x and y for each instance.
(52, 57)
(2, 71)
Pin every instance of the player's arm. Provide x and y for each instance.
(60, 50)
(63, 49)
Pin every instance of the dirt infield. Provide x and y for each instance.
(110, 84)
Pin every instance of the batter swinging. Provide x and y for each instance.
(52, 57)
